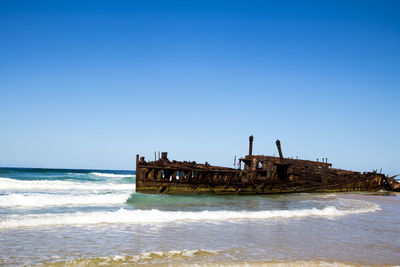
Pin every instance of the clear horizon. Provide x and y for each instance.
(90, 84)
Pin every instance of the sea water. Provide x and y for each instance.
(95, 217)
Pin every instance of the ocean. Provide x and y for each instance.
(59, 217)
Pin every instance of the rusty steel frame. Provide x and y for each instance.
(260, 175)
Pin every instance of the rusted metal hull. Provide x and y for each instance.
(374, 183)
(260, 175)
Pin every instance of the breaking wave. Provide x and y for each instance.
(112, 175)
(46, 185)
(158, 216)
(45, 200)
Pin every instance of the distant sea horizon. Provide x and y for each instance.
(55, 168)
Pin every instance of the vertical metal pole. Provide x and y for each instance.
(250, 145)
(278, 145)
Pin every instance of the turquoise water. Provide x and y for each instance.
(91, 217)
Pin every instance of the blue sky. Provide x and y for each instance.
(89, 84)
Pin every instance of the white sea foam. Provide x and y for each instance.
(146, 257)
(158, 216)
(44, 200)
(46, 185)
(177, 257)
(112, 175)
(165, 254)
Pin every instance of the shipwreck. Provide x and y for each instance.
(260, 175)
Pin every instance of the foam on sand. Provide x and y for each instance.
(159, 216)
(174, 256)
(195, 257)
